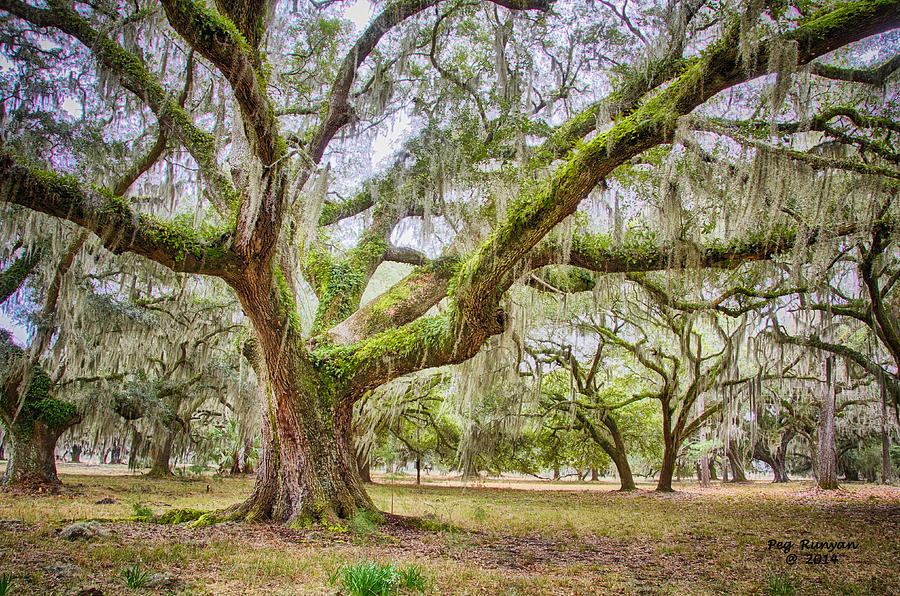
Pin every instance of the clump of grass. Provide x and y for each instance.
(364, 523)
(413, 578)
(134, 576)
(370, 578)
(141, 510)
(781, 585)
(6, 583)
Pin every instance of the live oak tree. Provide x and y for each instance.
(31, 415)
(284, 94)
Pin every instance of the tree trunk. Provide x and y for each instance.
(886, 471)
(3, 446)
(704, 458)
(76, 453)
(307, 470)
(737, 467)
(161, 453)
(247, 467)
(595, 476)
(827, 458)
(115, 453)
(780, 459)
(32, 461)
(670, 454)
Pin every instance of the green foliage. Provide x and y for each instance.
(370, 578)
(135, 577)
(364, 522)
(175, 516)
(780, 585)
(6, 583)
(141, 511)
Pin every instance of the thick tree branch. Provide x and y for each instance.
(12, 278)
(134, 77)
(486, 275)
(223, 45)
(871, 76)
(113, 219)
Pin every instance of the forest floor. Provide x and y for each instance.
(502, 537)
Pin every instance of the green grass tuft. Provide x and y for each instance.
(781, 585)
(370, 578)
(134, 576)
(6, 583)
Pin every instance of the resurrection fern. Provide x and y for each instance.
(134, 576)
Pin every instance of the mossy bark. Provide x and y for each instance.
(307, 469)
(161, 454)
(32, 463)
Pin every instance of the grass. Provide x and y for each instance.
(6, 583)
(134, 576)
(370, 578)
(499, 538)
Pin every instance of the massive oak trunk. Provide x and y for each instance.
(737, 466)
(32, 461)
(307, 468)
(33, 427)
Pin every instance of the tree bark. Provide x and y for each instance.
(76, 453)
(594, 475)
(32, 461)
(161, 453)
(737, 467)
(827, 458)
(307, 471)
(780, 459)
(886, 471)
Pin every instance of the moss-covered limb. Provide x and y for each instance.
(732, 130)
(148, 159)
(12, 278)
(534, 214)
(876, 75)
(618, 104)
(341, 289)
(340, 285)
(249, 16)
(562, 280)
(404, 302)
(134, 76)
(335, 212)
(220, 42)
(424, 343)
(113, 219)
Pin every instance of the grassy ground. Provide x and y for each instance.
(500, 538)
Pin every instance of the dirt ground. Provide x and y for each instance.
(510, 536)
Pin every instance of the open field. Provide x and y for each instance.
(567, 538)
